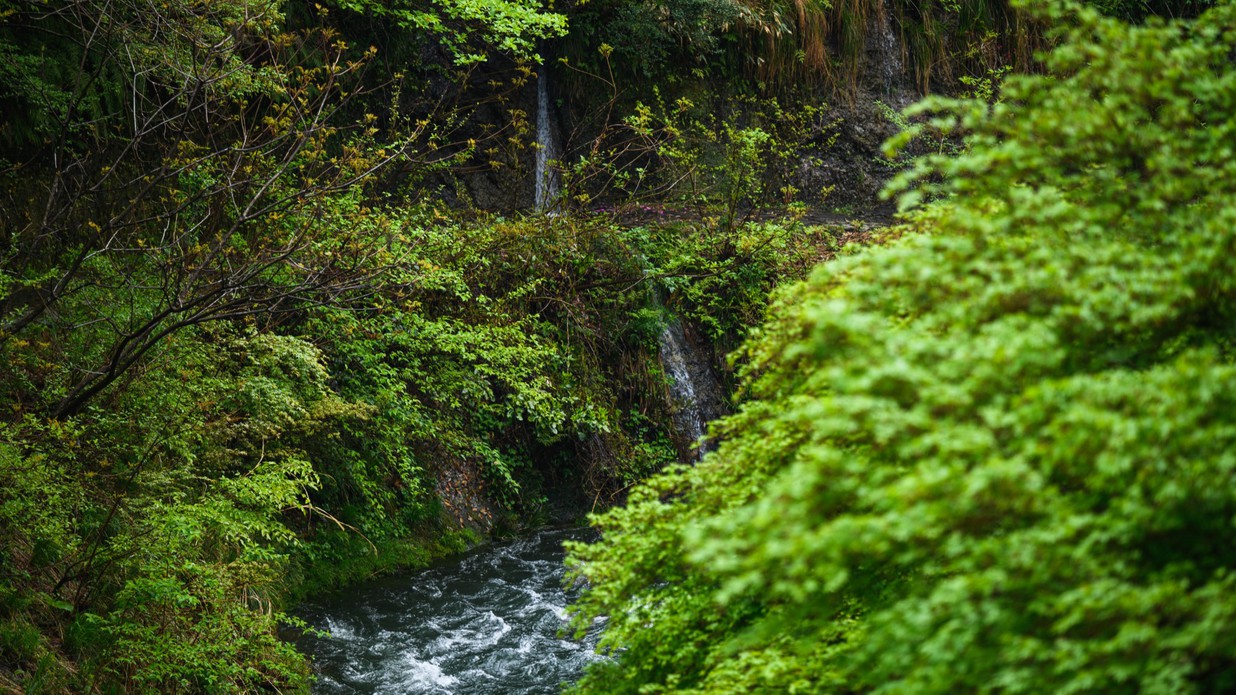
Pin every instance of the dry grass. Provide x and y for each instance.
(794, 42)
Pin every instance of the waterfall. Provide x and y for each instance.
(694, 389)
(885, 50)
(546, 183)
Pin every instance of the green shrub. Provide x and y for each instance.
(996, 453)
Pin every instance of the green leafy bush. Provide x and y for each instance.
(185, 183)
(994, 453)
(155, 530)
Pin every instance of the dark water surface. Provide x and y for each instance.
(487, 622)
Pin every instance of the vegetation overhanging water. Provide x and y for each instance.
(278, 313)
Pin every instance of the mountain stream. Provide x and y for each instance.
(485, 623)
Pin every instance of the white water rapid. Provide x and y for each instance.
(488, 623)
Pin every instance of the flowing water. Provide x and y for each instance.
(886, 50)
(688, 419)
(694, 389)
(545, 182)
(488, 622)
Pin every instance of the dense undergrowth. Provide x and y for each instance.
(152, 538)
(994, 453)
(246, 354)
(255, 343)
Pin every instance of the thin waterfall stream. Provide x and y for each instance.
(885, 50)
(488, 622)
(546, 183)
(688, 418)
(693, 388)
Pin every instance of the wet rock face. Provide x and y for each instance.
(461, 487)
(885, 66)
(492, 190)
(702, 364)
(841, 165)
(844, 165)
(527, 177)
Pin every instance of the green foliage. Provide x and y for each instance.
(994, 453)
(505, 341)
(185, 185)
(238, 363)
(777, 46)
(157, 526)
(720, 279)
(652, 40)
(242, 461)
(338, 557)
(468, 27)
(725, 165)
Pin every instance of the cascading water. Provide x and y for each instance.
(694, 390)
(687, 418)
(546, 183)
(885, 51)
